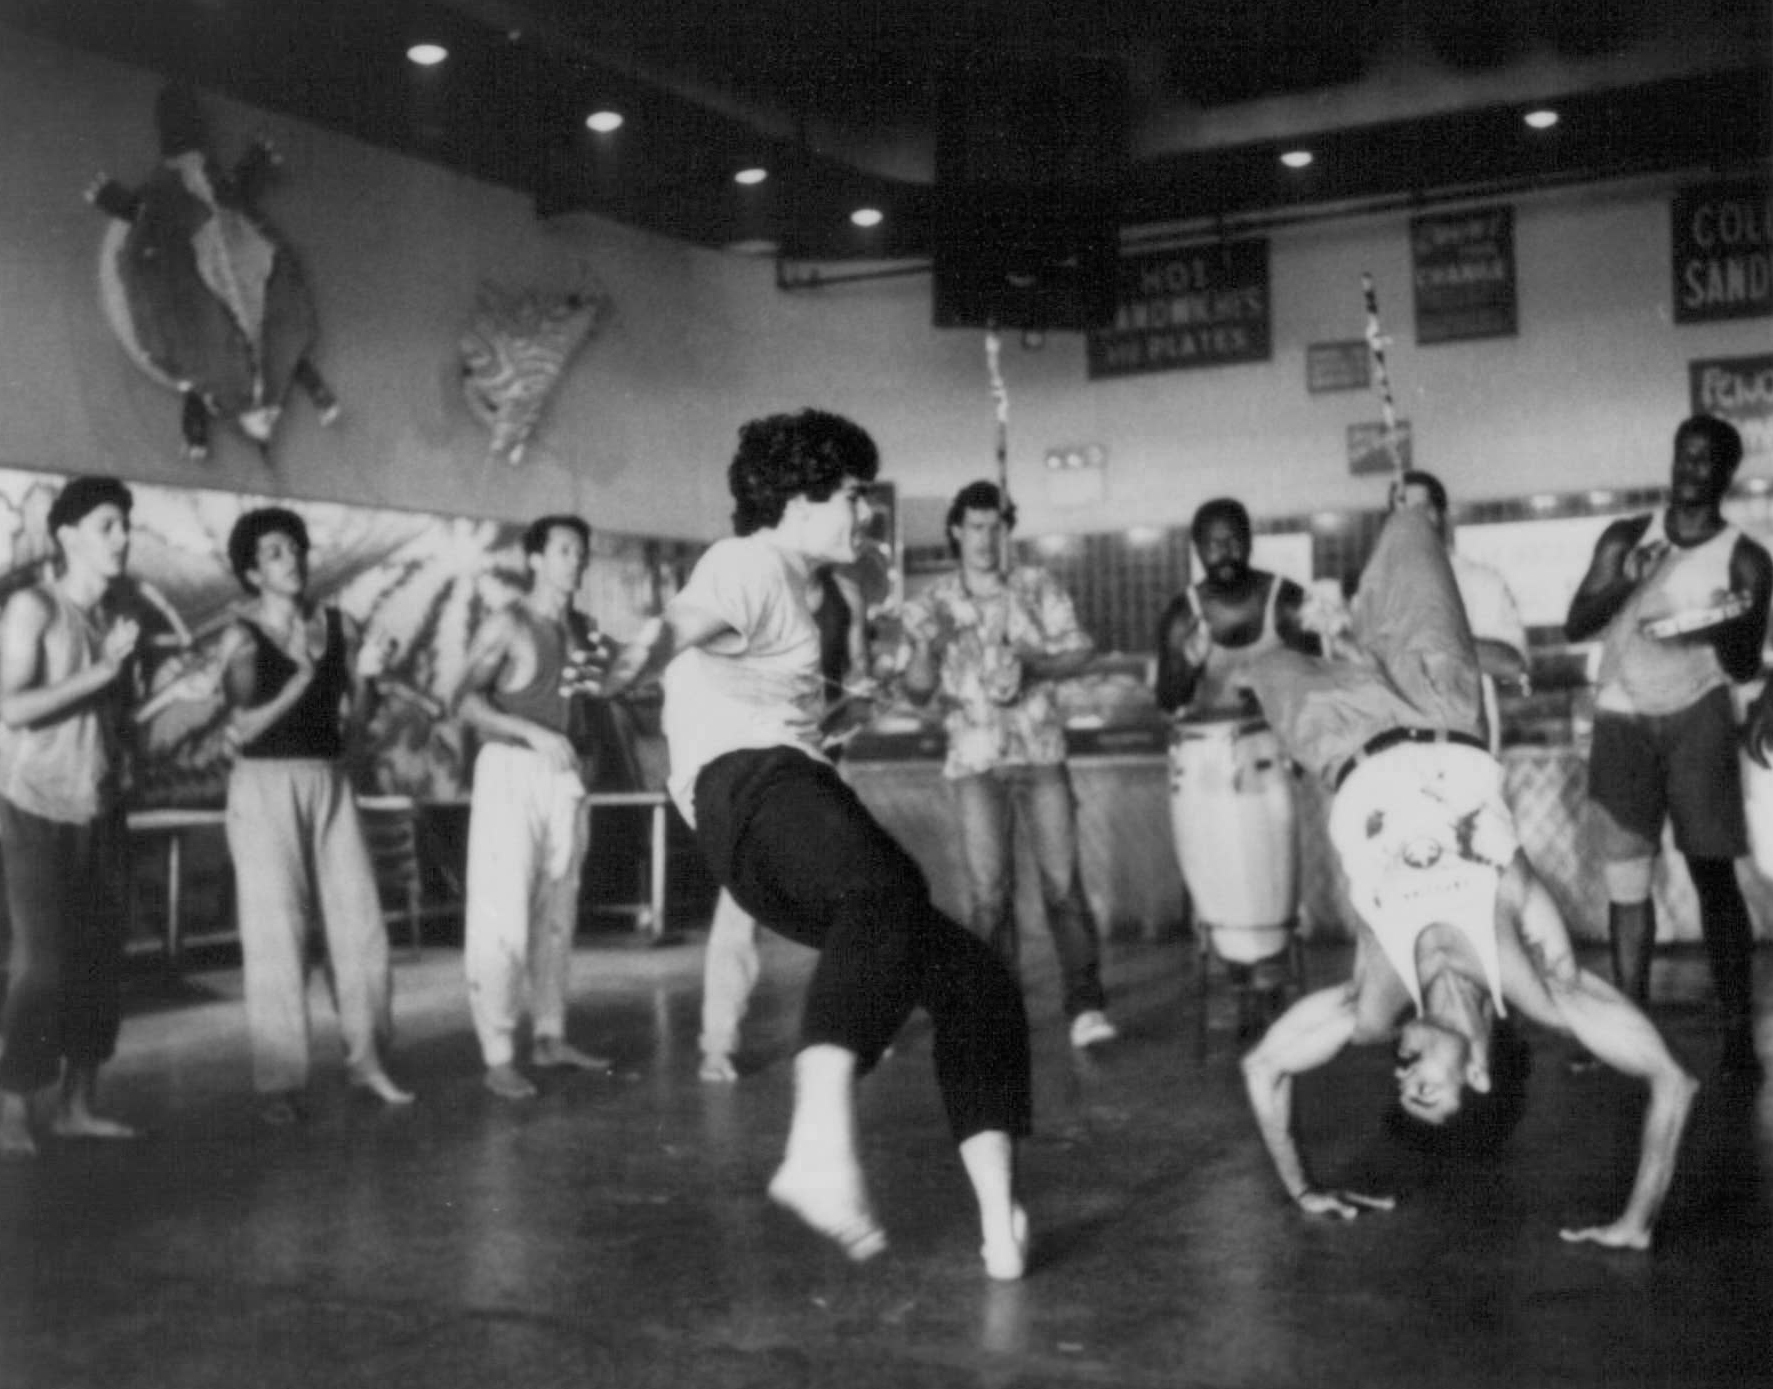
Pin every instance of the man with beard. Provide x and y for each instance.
(1664, 726)
(1210, 634)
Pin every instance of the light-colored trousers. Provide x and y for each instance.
(729, 974)
(298, 845)
(528, 830)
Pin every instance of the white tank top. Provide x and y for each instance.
(1641, 675)
(1224, 675)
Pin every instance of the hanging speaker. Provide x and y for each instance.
(1030, 157)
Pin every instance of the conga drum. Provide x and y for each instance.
(1235, 822)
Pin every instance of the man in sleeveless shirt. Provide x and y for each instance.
(1454, 928)
(529, 824)
(794, 844)
(991, 638)
(1209, 634)
(67, 673)
(294, 674)
(1664, 727)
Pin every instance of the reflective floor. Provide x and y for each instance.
(613, 1232)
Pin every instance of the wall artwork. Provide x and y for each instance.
(514, 351)
(423, 583)
(202, 291)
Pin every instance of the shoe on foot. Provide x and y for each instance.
(555, 1053)
(1091, 1028)
(717, 1068)
(1007, 1260)
(509, 1083)
(281, 1111)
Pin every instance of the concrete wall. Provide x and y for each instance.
(1585, 397)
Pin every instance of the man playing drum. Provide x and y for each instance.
(1232, 804)
(1454, 926)
(1211, 633)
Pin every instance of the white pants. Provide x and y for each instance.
(528, 830)
(297, 845)
(729, 974)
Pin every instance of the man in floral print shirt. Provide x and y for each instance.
(991, 638)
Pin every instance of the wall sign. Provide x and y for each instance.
(1202, 306)
(1723, 265)
(1368, 452)
(1740, 390)
(1464, 275)
(1338, 366)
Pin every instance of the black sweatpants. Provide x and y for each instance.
(800, 852)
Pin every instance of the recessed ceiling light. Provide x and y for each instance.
(751, 176)
(1543, 119)
(603, 122)
(867, 217)
(1296, 159)
(427, 55)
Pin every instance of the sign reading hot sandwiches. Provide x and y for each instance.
(1723, 252)
(1201, 306)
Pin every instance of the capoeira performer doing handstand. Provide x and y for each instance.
(1455, 927)
(797, 849)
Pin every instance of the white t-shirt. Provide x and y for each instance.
(756, 687)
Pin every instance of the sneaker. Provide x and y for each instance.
(1092, 1028)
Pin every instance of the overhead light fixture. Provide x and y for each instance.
(867, 217)
(603, 122)
(1296, 159)
(748, 177)
(1543, 119)
(427, 55)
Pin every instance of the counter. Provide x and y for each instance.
(1129, 861)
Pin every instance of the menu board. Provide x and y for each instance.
(1740, 390)
(1723, 252)
(1201, 306)
(1464, 274)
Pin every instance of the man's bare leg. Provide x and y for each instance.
(820, 1179)
(990, 1162)
(16, 1142)
(75, 1117)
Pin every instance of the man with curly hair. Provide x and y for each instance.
(793, 843)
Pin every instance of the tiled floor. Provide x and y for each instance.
(614, 1232)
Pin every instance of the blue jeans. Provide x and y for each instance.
(1040, 797)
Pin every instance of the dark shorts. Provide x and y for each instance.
(1646, 768)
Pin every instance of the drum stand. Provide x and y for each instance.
(1263, 988)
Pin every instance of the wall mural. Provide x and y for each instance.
(201, 290)
(421, 582)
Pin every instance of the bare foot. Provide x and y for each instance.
(377, 1083)
(834, 1204)
(1618, 1235)
(16, 1143)
(1006, 1251)
(509, 1083)
(83, 1123)
(554, 1053)
(717, 1068)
